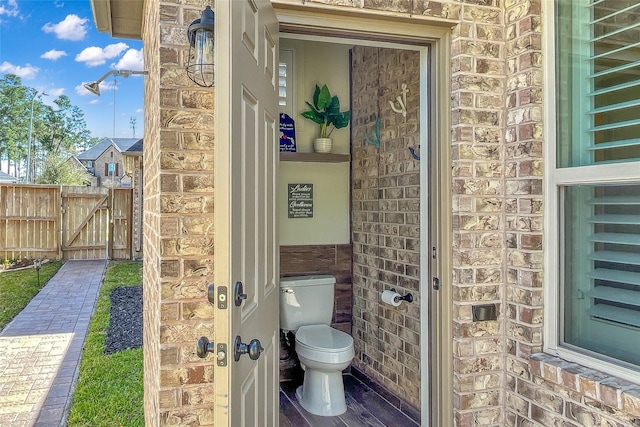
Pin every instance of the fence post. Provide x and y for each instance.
(60, 222)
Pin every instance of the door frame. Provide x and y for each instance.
(432, 36)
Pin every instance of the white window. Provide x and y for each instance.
(593, 203)
(285, 82)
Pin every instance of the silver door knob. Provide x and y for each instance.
(253, 349)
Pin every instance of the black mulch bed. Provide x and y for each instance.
(125, 324)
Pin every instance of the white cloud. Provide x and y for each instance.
(94, 55)
(55, 91)
(105, 86)
(9, 8)
(53, 54)
(139, 110)
(131, 60)
(28, 72)
(94, 101)
(71, 28)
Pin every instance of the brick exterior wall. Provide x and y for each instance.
(151, 217)
(478, 84)
(497, 215)
(136, 227)
(99, 167)
(178, 212)
(385, 212)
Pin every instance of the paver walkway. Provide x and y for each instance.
(40, 349)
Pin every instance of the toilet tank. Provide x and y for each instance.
(306, 300)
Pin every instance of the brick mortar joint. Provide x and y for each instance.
(623, 388)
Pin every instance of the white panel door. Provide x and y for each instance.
(246, 151)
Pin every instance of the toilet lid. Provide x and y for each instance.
(324, 338)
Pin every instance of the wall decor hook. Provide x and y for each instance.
(413, 153)
(402, 102)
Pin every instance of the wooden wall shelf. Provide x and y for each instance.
(314, 157)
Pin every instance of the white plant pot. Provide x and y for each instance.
(322, 145)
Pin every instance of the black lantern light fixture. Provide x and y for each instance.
(200, 35)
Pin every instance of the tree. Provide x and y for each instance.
(15, 108)
(60, 170)
(58, 129)
(66, 129)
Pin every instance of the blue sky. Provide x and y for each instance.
(53, 46)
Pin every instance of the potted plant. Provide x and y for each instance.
(325, 111)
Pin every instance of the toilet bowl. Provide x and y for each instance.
(324, 353)
(306, 307)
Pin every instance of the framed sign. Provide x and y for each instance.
(300, 198)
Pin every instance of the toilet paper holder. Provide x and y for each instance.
(408, 297)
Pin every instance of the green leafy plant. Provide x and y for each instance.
(325, 111)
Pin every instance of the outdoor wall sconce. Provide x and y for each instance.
(200, 63)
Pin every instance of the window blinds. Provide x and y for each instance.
(614, 60)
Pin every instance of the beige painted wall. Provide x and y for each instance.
(330, 222)
(317, 63)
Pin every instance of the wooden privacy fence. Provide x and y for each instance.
(57, 222)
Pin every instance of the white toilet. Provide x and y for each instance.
(306, 306)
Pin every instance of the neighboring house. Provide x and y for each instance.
(90, 178)
(104, 161)
(515, 227)
(117, 162)
(7, 179)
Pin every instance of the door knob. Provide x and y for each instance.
(238, 294)
(204, 346)
(253, 349)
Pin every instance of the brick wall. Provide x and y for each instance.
(136, 226)
(178, 208)
(385, 211)
(478, 84)
(100, 163)
(151, 216)
(496, 197)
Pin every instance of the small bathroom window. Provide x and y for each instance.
(285, 81)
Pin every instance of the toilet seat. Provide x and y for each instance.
(323, 338)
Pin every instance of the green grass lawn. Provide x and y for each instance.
(17, 288)
(109, 390)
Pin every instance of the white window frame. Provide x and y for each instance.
(555, 178)
(287, 56)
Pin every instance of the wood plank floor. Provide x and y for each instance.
(365, 407)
